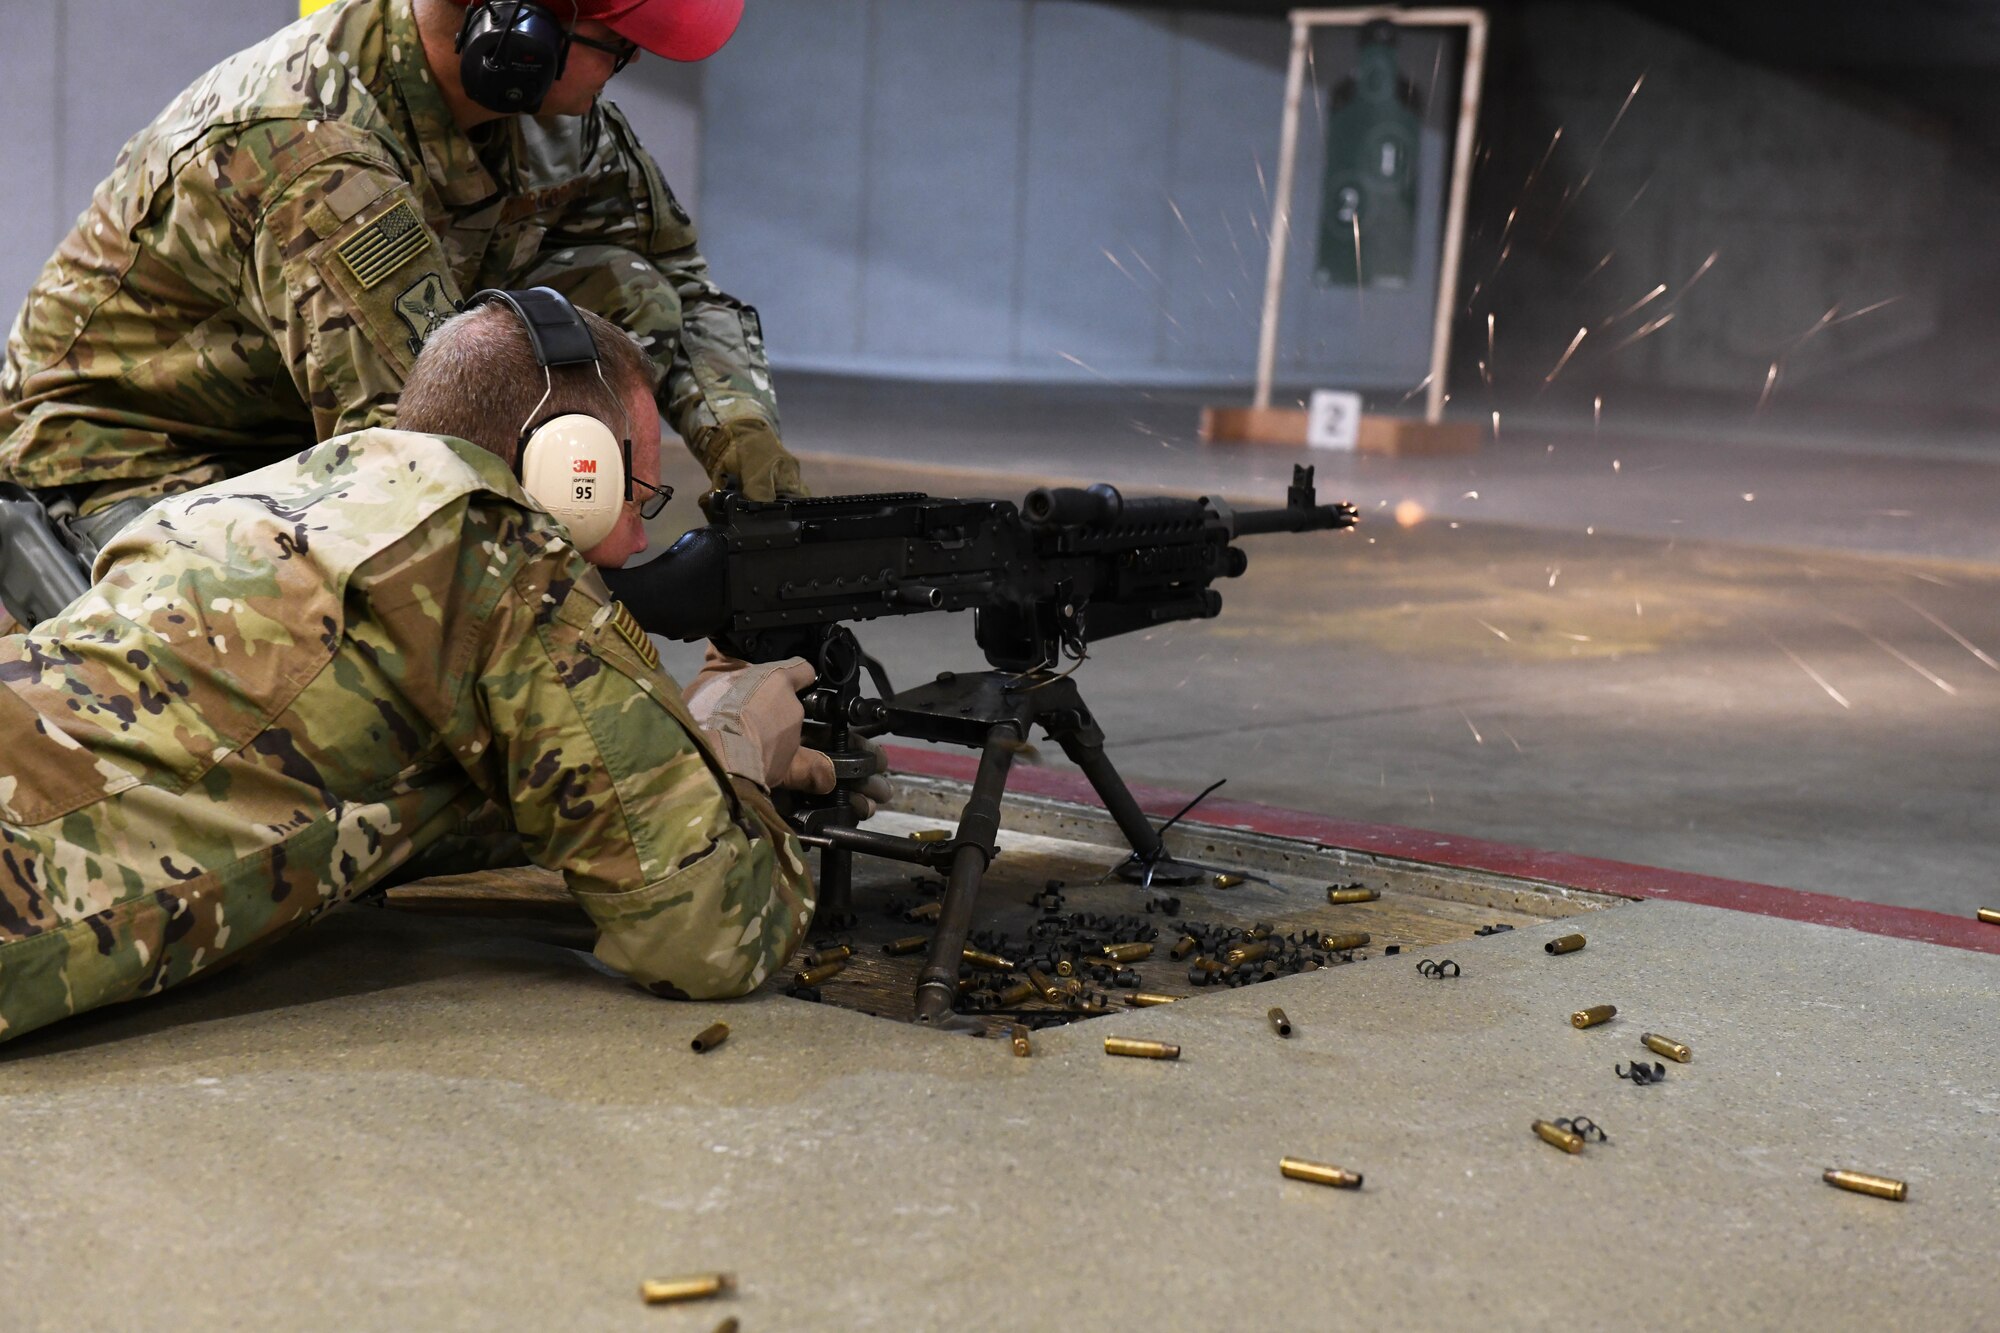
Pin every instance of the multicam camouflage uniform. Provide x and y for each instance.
(284, 685)
(266, 258)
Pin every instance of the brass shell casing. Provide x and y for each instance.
(908, 944)
(924, 912)
(697, 1288)
(1564, 944)
(1882, 1187)
(710, 1037)
(1225, 880)
(1187, 945)
(1246, 953)
(1342, 940)
(1146, 1050)
(812, 976)
(1666, 1046)
(1297, 1168)
(1559, 1137)
(1591, 1017)
(839, 953)
(986, 962)
(930, 835)
(1990, 915)
(729, 1325)
(1016, 993)
(1280, 1025)
(1019, 1036)
(1128, 953)
(1065, 967)
(1141, 999)
(1339, 896)
(1046, 988)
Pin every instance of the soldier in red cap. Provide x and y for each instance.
(267, 257)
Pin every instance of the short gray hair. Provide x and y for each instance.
(477, 379)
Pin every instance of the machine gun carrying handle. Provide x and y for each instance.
(1068, 507)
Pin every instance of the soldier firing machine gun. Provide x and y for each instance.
(1044, 581)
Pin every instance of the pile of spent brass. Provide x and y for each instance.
(1079, 964)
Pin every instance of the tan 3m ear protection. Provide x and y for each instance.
(576, 469)
(572, 464)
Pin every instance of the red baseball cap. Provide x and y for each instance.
(676, 29)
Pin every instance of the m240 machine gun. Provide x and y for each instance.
(1043, 580)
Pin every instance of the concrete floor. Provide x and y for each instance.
(417, 1123)
(1640, 665)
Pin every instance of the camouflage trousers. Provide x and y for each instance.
(136, 936)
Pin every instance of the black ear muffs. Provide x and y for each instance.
(510, 53)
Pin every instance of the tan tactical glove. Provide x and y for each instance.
(750, 451)
(875, 788)
(752, 715)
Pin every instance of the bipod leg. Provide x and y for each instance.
(836, 890)
(838, 661)
(978, 830)
(1149, 863)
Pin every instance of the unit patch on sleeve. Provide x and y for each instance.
(424, 305)
(385, 244)
(628, 630)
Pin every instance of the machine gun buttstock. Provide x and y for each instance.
(684, 594)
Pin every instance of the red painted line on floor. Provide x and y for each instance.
(1451, 850)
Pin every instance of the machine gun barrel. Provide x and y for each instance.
(1313, 518)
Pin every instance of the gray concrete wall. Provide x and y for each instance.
(1815, 195)
(77, 79)
(988, 190)
(983, 190)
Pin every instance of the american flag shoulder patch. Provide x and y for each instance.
(384, 245)
(628, 630)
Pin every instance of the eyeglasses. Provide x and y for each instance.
(652, 505)
(622, 52)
